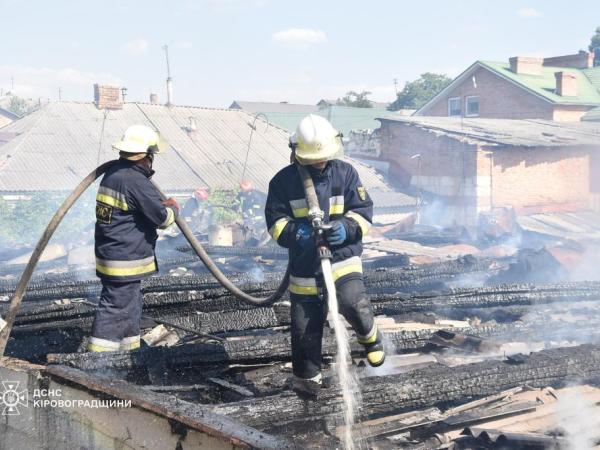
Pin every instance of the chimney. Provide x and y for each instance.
(526, 65)
(566, 84)
(154, 99)
(169, 91)
(581, 60)
(107, 97)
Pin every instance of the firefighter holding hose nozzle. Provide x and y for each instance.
(129, 210)
(348, 212)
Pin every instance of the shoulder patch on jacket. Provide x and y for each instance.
(362, 193)
(103, 213)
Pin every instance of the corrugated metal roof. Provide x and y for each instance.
(58, 145)
(578, 226)
(506, 132)
(593, 115)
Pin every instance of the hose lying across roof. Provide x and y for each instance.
(15, 301)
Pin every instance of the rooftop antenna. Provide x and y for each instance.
(169, 79)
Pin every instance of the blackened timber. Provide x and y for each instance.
(424, 388)
(404, 279)
(248, 349)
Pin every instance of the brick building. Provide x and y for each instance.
(474, 165)
(561, 88)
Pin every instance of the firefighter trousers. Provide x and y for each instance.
(308, 318)
(117, 321)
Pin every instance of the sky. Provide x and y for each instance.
(270, 50)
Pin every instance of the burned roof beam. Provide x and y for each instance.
(428, 387)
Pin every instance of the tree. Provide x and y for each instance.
(418, 92)
(19, 106)
(595, 47)
(356, 99)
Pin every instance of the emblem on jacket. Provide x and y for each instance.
(103, 213)
(362, 193)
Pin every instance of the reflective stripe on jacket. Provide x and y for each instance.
(128, 212)
(342, 197)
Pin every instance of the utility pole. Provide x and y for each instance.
(59, 94)
(12, 84)
(396, 86)
(169, 79)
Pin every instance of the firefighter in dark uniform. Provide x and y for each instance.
(198, 211)
(348, 208)
(251, 204)
(128, 213)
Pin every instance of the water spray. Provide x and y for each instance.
(347, 377)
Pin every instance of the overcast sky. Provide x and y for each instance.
(271, 50)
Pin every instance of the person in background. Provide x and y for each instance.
(198, 211)
(251, 204)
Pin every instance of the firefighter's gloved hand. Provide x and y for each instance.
(304, 236)
(171, 203)
(337, 234)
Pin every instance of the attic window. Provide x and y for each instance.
(454, 107)
(472, 106)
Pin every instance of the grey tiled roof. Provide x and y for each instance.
(58, 145)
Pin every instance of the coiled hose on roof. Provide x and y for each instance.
(16, 299)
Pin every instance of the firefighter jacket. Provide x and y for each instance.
(128, 212)
(341, 197)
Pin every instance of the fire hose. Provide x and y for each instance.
(17, 298)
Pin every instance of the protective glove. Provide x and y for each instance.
(171, 203)
(304, 236)
(337, 234)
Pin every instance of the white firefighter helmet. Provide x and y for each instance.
(315, 140)
(141, 139)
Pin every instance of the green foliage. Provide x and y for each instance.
(355, 99)
(224, 204)
(595, 46)
(19, 106)
(23, 221)
(416, 93)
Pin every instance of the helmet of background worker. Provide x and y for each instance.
(138, 141)
(201, 194)
(315, 141)
(246, 185)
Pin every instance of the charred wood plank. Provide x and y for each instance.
(428, 387)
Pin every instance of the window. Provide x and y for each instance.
(472, 106)
(454, 106)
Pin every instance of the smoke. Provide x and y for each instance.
(257, 274)
(578, 418)
(586, 264)
(436, 213)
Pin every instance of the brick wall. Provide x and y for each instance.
(538, 179)
(498, 99)
(471, 178)
(446, 168)
(569, 113)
